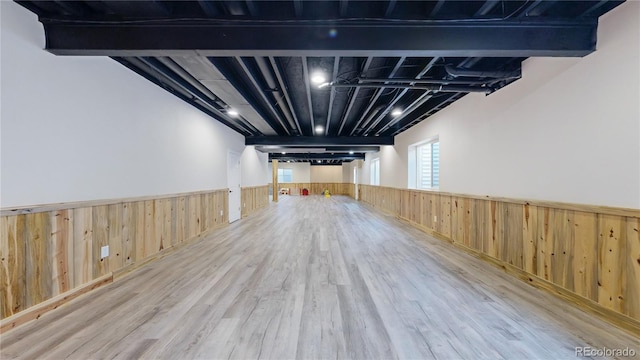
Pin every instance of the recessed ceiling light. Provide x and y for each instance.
(319, 160)
(283, 153)
(288, 160)
(319, 129)
(396, 112)
(232, 112)
(350, 152)
(318, 77)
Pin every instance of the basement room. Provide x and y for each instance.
(306, 179)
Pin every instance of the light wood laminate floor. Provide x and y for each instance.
(315, 278)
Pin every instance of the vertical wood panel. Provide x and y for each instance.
(475, 224)
(115, 236)
(168, 228)
(139, 219)
(513, 238)
(456, 232)
(530, 238)
(497, 247)
(128, 233)
(100, 239)
(38, 263)
(563, 247)
(149, 229)
(158, 221)
(82, 245)
(585, 261)
(62, 251)
(181, 220)
(444, 215)
(13, 266)
(632, 296)
(545, 242)
(612, 254)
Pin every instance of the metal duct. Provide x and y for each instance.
(457, 72)
(266, 72)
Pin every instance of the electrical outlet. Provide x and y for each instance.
(104, 252)
(435, 218)
(221, 212)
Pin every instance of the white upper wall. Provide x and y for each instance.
(85, 128)
(301, 172)
(326, 174)
(568, 131)
(255, 171)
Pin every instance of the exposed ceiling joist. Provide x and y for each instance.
(490, 38)
(319, 140)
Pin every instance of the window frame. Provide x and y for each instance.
(415, 168)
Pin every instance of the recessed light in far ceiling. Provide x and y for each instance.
(232, 112)
(396, 112)
(283, 153)
(319, 129)
(318, 78)
(319, 160)
(350, 152)
(288, 160)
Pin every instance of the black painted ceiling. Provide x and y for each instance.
(387, 65)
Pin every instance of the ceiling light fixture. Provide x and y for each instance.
(232, 112)
(318, 78)
(283, 153)
(319, 129)
(396, 112)
(350, 152)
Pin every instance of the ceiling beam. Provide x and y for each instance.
(317, 149)
(317, 156)
(318, 140)
(490, 38)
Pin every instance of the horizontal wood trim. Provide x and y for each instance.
(590, 258)
(51, 253)
(38, 310)
(30, 209)
(551, 204)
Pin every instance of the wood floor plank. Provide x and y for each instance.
(311, 277)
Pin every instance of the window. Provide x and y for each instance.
(375, 172)
(424, 165)
(285, 175)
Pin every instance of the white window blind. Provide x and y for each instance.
(428, 165)
(375, 172)
(285, 175)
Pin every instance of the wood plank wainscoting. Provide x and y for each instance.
(51, 253)
(588, 255)
(316, 188)
(254, 198)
